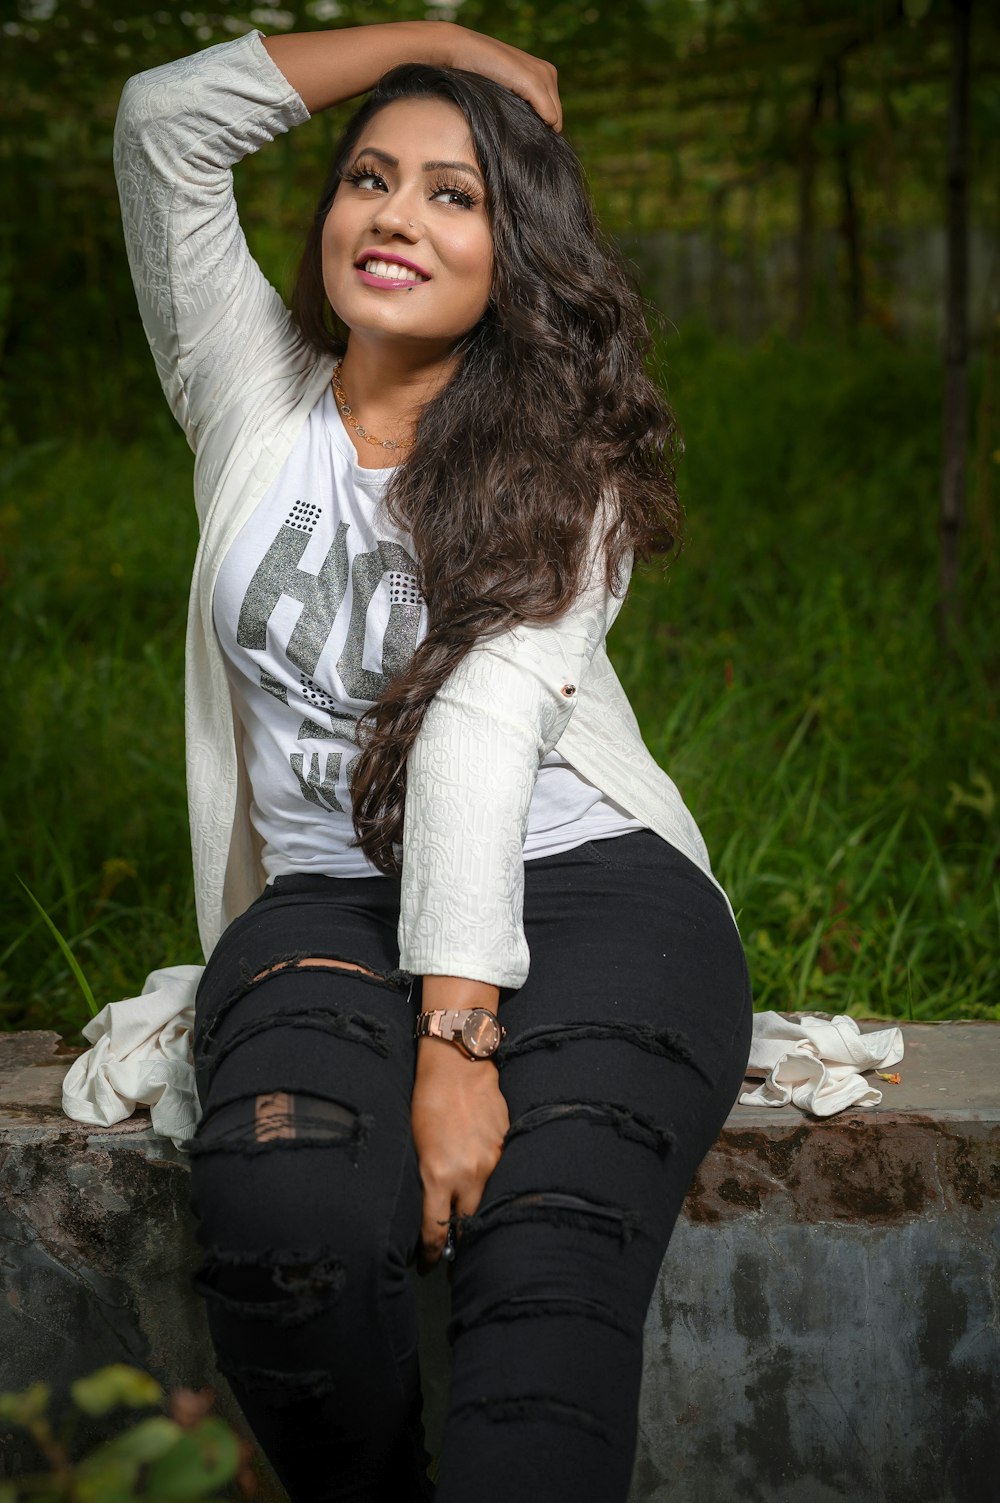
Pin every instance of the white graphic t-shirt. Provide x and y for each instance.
(317, 607)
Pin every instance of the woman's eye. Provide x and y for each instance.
(368, 178)
(464, 198)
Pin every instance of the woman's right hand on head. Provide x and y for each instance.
(532, 78)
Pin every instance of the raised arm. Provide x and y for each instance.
(212, 320)
(327, 67)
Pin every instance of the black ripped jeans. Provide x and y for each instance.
(625, 1050)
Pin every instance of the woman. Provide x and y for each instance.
(411, 768)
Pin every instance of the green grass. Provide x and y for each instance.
(98, 542)
(784, 669)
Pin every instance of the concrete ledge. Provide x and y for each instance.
(826, 1324)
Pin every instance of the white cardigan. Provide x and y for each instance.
(241, 382)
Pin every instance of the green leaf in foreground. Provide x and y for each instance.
(26, 1406)
(71, 959)
(111, 1472)
(116, 1384)
(201, 1461)
(111, 1480)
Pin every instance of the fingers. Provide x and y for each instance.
(440, 1226)
(538, 83)
(459, 1120)
(433, 1227)
(534, 78)
(543, 92)
(552, 112)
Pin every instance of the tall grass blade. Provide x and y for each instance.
(874, 871)
(71, 959)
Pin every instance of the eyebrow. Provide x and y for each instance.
(390, 161)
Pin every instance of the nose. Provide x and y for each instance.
(397, 214)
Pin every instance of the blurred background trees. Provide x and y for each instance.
(768, 164)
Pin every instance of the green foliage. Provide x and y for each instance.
(688, 116)
(787, 675)
(97, 544)
(27, 1407)
(785, 672)
(183, 1457)
(200, 1460)
(112, 1386)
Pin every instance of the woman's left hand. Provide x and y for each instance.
(459, 1117)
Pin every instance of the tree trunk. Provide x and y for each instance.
(956, 394)
(805, 241)
(850, 226)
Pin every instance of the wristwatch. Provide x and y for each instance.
(475, 1030)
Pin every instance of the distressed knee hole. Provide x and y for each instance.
(540, 1407)
(393, 980)
(308, 961)
(667, 1042)
(556, 1208)
(274, 1120)
(353, 1027)
(292, 1114)
(535, 1307)
(284, 1389)
(631, 1125)
(283, 1289)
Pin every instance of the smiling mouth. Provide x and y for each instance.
(389, 274)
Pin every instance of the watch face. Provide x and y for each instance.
(480, 1033)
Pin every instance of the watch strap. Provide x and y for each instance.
(449, 1022)
(442, 1023)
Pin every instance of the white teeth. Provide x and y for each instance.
(393, 270)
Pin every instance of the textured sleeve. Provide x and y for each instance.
(470, 776)
(214, 323)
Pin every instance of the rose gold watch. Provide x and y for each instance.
(475, 1030)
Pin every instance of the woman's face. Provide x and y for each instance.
(412, 197)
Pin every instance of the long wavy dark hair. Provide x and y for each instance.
(549, 408)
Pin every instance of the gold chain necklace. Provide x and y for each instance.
(345, 408)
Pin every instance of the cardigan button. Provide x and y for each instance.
(569, 690)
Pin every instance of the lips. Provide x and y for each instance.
(374, 254)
